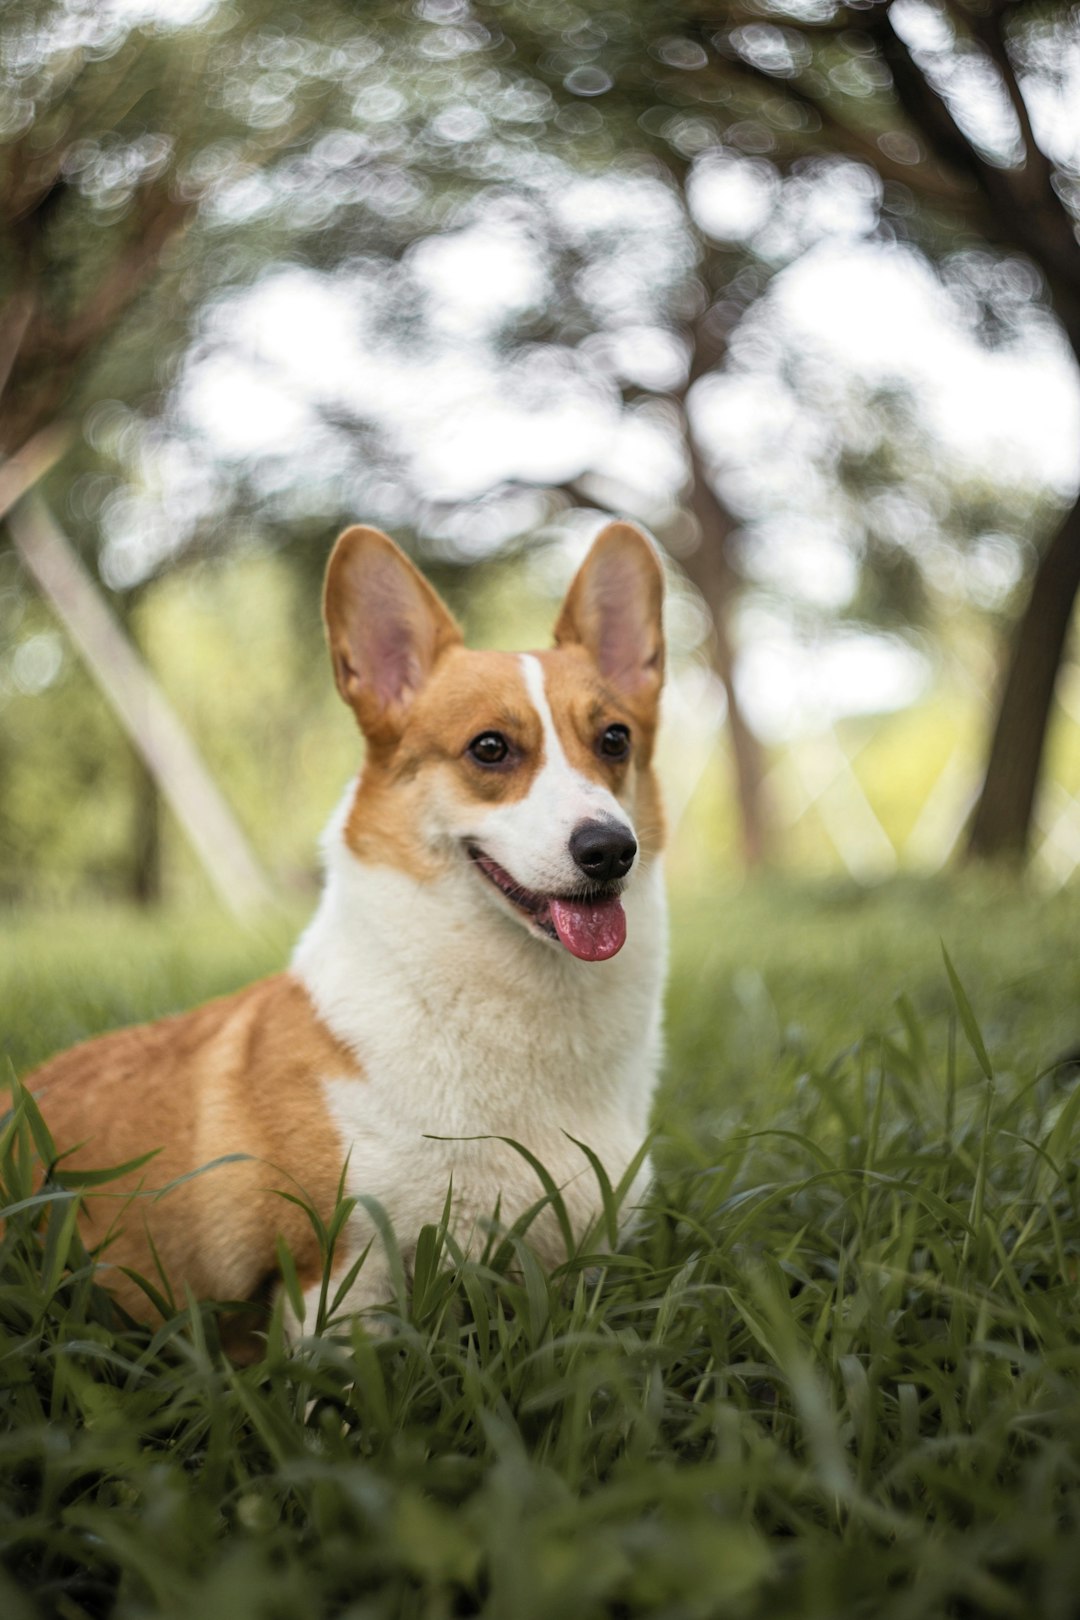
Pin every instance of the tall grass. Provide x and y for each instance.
(835, 1373)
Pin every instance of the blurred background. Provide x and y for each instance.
(795, 285)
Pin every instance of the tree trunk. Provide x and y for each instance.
(146, 872)
(709, 569)
(1001, 825)
(145, 876)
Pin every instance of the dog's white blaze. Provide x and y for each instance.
(531, 838)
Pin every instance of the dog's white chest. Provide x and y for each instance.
(466, 1032)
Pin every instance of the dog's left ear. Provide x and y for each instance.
(613, 610)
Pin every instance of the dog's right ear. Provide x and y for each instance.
(386, 627)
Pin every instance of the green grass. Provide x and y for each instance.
(837, 1373)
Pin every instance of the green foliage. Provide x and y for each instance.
(833, 1373)
(769, 978)
(60, 748)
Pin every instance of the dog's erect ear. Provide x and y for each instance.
(386, 627)
(613, 610)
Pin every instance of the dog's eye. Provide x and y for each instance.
(490, 748)
(614, 743)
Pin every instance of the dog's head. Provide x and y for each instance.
(532, 771)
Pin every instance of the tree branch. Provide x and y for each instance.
(18, 314)
(935, 187)
(1038, 226)
(928, 111)
(988, 30)
(28, 466)
(126, 277)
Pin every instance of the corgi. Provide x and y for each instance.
(487, 961)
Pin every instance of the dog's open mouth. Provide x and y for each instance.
(591, 925)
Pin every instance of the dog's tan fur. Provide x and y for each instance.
(240, 1075)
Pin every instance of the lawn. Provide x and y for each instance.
(837, 1373)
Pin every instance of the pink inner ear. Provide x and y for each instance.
(399, 643)
(395, 668)
(625, 643)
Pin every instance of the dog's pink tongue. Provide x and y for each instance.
(591, 929)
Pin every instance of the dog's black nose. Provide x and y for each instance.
(603, 850)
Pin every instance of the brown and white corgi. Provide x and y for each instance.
(487, 959)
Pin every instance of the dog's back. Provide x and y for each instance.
(241, 1075)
